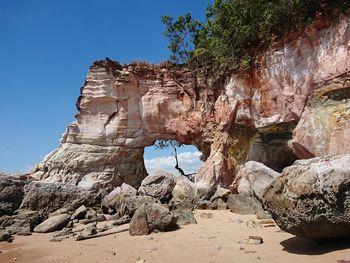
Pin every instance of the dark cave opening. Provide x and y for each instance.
(272, 149)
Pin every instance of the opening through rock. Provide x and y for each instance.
(186, 157)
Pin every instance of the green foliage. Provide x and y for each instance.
(237, 30)
(181, 35)
(164, 143)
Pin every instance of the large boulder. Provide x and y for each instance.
(53, 223)
(114, 200)
(158, 185)
(48, 197)
(150, 217)
(254, 178)
(183, 193)
(311, 198)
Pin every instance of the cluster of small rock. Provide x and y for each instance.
(309, 199)
(163, 202)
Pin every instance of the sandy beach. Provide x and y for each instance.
(212, 240)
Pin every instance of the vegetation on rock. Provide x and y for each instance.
(236, 31)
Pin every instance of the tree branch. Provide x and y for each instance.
(177, 162)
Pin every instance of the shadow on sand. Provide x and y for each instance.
(301, 246)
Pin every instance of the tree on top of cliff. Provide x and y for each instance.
(236, 31)
(181, 34)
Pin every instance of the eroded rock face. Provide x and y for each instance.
(324, 127)
(311, 198)
(124, 108)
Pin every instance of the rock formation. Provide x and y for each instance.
(311, 198)
(293, 104)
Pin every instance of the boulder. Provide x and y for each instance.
(79, 213)
(49, 197)
(139, 223)
(89, 231)
(185, 216)
(222, 193)
(150, 217)
(24, 231)
(218, 204)
(4, 235)
(204, 190)
(59, 211)
(311, 198)
(114, 200)
(11, 193)
(22, 219)
(91, 214)
(158, 185)
(254, 178)
(244, 204)
(53, 223)
(129, 205)
(203, 205)
(183, 193)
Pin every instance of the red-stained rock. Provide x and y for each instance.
(124, 108)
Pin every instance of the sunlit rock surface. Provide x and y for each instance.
(311, 198)
(124, 108)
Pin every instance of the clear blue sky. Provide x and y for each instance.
(46, 48)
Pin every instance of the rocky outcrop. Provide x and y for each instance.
(311, 198)
(247, 116)
(48, 197)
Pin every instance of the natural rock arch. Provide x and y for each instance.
(124, 108)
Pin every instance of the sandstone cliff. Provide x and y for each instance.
(293, 104)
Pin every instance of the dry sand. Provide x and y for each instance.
(213, 239)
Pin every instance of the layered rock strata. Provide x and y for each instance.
(301, 83)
